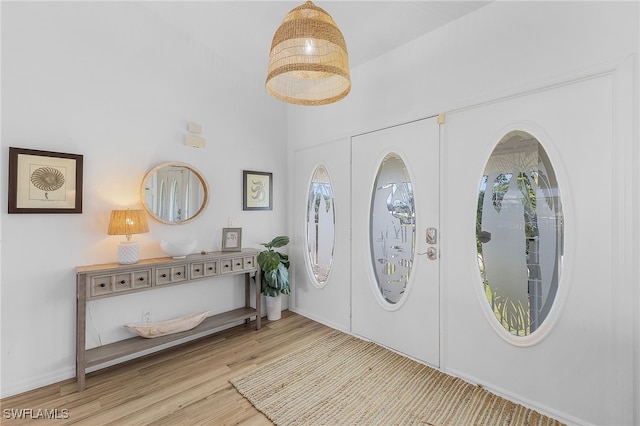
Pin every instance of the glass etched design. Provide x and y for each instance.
(321, 220)
(519, 233)
(392, 228)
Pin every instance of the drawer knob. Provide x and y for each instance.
(141, 279)
(238, 264)
(210, 268)
(164, 275)
(178, 273)
(103, 285)
(198, 270)
(123, 282)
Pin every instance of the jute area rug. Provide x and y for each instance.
(342, 380)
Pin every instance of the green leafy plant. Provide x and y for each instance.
(275, 268)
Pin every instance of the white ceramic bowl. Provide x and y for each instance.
(178, 250)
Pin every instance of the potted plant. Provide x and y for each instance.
(275, 275)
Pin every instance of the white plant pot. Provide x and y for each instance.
(274, 307)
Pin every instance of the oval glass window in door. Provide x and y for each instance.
(320, 226)
(519, 233)
(392, 228)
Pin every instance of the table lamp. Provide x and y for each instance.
(128, 222)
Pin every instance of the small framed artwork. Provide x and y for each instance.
(257, 190)
(231, 239)
(44, 181)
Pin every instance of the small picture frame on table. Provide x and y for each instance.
(231, 239)
(44, 181)
(257, 190)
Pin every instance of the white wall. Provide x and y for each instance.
(113, 82)
(495, 52)
(489, 52)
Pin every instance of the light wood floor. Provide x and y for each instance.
(186, 385)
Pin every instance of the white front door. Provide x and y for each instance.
(579, 358)
(394, 207)
(327, 300)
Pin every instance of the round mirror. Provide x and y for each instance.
(519, 233)
(174, 193)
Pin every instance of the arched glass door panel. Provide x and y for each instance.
(519, 230)
(392, 228)
(321, 226)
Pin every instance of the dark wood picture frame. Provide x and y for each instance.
(44, 181)
(257, 190)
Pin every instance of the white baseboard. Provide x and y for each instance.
(37, 382)
(323, 321)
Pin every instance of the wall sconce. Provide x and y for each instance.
(128, 222)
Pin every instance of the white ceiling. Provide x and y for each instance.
(241, 31)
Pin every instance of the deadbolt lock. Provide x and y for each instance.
(432, 236)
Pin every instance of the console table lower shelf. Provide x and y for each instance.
(111, 351)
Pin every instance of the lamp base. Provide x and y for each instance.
(128, 252)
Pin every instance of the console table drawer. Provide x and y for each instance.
(132, 280)
(203, 269)
(171, 274)
(249, 262)
(237, 264)
(226, 265)
(100, 285)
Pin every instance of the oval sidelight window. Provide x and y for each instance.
(519, 233)
(321, 221)
(392, 228)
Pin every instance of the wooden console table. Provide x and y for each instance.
(113, 279)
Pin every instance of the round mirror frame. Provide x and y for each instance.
(205, 188)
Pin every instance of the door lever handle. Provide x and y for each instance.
(432, 253)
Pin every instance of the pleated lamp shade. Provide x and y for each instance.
(128, 222)
(308, 62)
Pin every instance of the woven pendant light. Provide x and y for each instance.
(308, 63)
